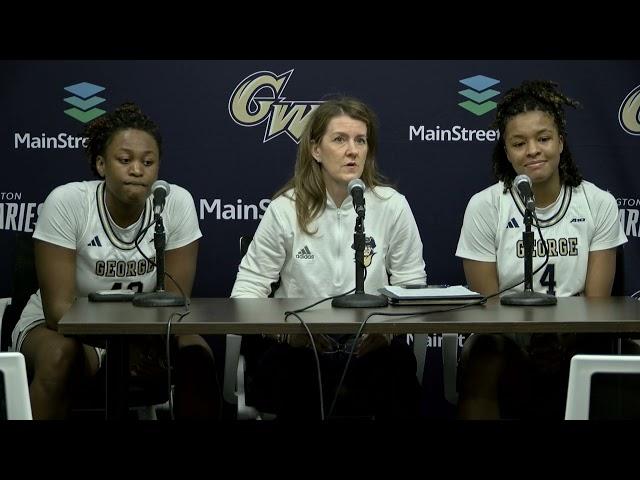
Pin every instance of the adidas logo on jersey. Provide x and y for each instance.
(305, 254)
(95, 242)
(576, 220)
(513, 223)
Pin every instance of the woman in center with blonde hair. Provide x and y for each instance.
(305, 242)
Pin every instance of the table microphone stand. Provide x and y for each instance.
(160, 297)
(528, 297)
(359, 299)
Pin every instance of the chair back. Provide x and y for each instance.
(581, 376)
(617, 290)
(15, 403)
(245, 241)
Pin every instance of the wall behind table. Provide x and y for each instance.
(224, 163)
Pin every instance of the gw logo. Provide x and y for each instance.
(629, 114)
(249, 109)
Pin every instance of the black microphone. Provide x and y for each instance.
(523, 186)
(159, 297)
(356, 190)
(160, 190)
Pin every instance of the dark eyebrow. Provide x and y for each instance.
(544, 130)
(129, 150)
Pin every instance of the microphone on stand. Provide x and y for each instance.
(523, 186)
(159, 297)
(359, 299)
(160, 191)
(529, 297)
(356, 190)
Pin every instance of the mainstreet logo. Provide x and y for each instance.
(629, 114)
(84, 101)
(479, 94)
(259, 97)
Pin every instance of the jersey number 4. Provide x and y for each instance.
(548, 279)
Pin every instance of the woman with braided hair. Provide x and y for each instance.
(523, 375)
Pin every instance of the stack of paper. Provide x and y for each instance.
(454, 295)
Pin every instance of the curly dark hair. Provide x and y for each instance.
(100, 131)
(544, 96)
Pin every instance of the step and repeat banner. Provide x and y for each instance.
(231, 128)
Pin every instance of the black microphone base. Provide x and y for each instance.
(528, 298)
(360, 300)
(158, 299)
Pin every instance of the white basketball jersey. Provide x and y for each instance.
(75, 216)
(581, 220)
(106, 255)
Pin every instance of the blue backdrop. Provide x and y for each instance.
(231, 127)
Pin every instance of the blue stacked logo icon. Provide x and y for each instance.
(84, 101)
(479, 94)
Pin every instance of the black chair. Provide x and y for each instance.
(626, 344)
(24, 282)
(617, 290)
(245, 241)
(143, 394)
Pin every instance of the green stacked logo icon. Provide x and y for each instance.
(479, 94)
(84, 101)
